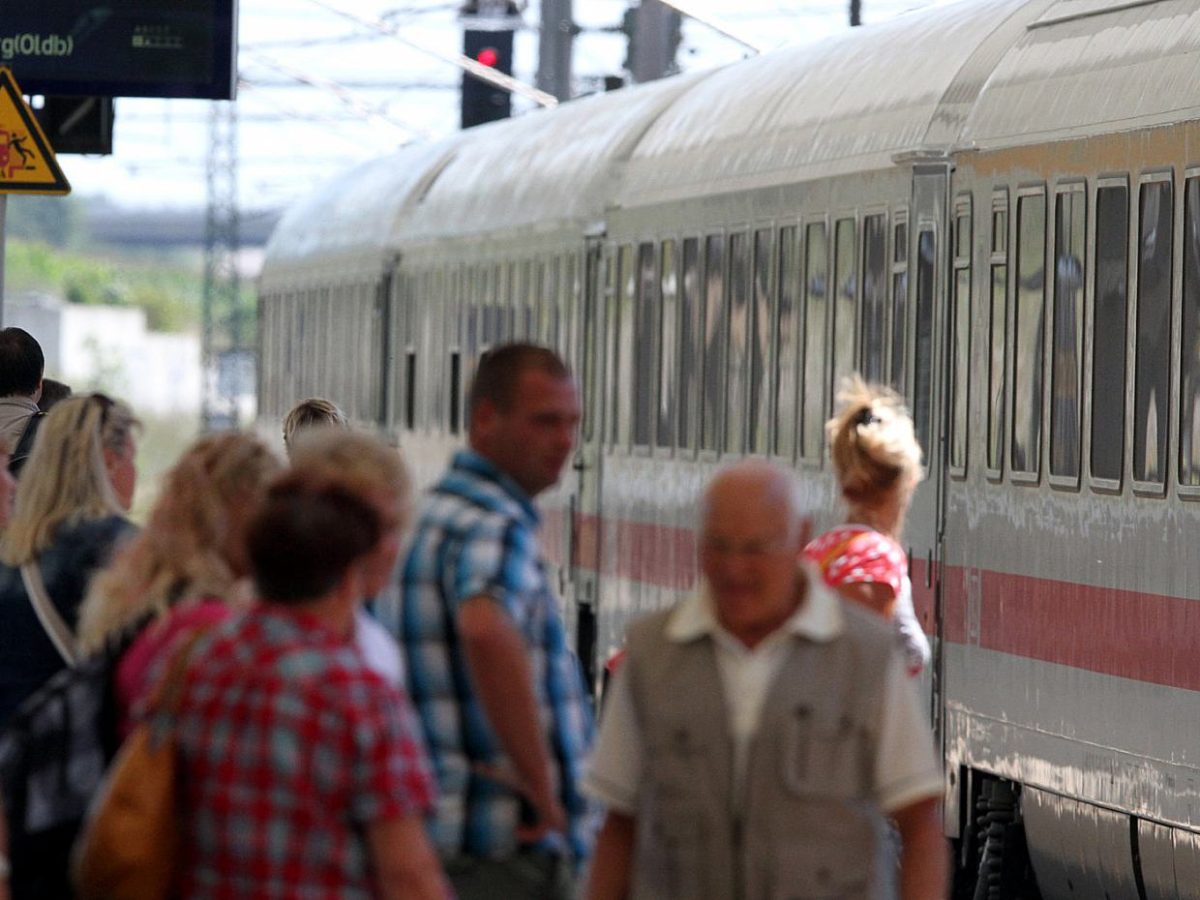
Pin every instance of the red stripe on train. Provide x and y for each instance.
(1127, 634)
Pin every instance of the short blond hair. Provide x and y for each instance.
(65, 480)
(180, 555)
(872, 442)
(315, 412)
(363, 464)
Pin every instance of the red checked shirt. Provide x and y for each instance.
(290, 746)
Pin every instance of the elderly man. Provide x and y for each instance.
(761, 732)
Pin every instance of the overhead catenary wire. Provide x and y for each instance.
(480, 71)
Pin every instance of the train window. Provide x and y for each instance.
(1066, 373)
(997, 332)
(874, 289)
(786, 357)
(1189, 395)
(691, 341)
(761, 320)
(644, 335)
(667, 356)
(1153, 356)
(566, 317)
(739, 343)
(606, 377)
(622, 377)
(410, 389)
(899, 311)
(455, 390)
(1027, 338)
(961, 350)
(714, 343)
(923, 337)
(845, 283)
(816, 303)
(548, 330)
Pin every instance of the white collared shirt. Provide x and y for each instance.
(906, 769)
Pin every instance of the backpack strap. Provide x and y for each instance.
(20, 453)
(52, 623)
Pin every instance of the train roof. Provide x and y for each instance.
(975, 75)
(339, 224)
(542, 170)
(846, 104)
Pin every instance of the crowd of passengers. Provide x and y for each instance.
(363, 693)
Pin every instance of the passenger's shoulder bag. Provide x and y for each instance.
(129, 848)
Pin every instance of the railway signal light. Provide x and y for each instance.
(483, 102)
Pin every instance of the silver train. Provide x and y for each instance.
(994, 206)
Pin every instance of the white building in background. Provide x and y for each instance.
(109, 348)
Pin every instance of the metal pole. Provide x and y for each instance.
(3, 249)
(554, 48)
(654, 41)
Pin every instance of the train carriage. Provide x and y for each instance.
(995, 206)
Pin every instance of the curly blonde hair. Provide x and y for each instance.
(872, 442)
(66, 480)
(180, 554)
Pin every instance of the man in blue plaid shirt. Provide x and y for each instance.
(499, 693)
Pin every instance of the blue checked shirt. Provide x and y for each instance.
(477, 534)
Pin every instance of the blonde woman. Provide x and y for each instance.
(182, 571)
(878, 464)
(68, 517)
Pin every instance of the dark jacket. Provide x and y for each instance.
(27, 656)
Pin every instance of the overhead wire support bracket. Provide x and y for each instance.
(480, 71)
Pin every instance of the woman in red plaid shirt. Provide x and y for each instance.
(303, 773)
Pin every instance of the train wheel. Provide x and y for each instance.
(995, 863)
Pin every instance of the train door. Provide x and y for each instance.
(928, 324)
(584, 518)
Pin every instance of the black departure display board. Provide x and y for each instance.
(121, 48)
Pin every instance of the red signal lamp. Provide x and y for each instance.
(488, 56)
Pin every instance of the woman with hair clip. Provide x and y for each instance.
(877, 461)
(68, 516)
(181, 572)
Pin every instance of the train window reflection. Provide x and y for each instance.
(760, 342)
(622, 382)
(739, 343)
(846, 301)
(714, 342)
(1108, 332)
(923, 337)
(1189, 395)
(1027, 338)
(899, 312)
(786, 357)
(874, 289)
(816, 301)
(644, 336)
(1153, 365)
(1070, 227)
(667, 394)
(961, 355)
(691, 343)
(997, 331)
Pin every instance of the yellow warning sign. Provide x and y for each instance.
(27, 163)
